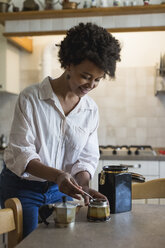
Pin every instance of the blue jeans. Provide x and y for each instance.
(32, 194)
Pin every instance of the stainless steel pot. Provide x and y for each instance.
(69, 5)
(48, 4)
(63, 213)
(4, 6)
(29, 5)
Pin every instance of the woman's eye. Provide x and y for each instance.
(97, 80)
(85, 77)
(89, 78)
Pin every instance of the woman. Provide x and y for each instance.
(53, 146)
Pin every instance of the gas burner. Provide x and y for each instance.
(124, 150)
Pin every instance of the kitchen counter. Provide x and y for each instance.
(134, 157)
(129, 229)
(156, 157)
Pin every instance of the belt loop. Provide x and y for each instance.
(46, 187)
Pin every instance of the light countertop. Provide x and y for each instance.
(134, 157)
(141, 227)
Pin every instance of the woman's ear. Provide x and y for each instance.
(68, 67)
(68, 72)
(67, 76)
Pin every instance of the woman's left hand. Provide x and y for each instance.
(83, 179)
(93, 193)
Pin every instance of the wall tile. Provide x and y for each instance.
(7, 106)
(127, 21)
(10, 26)
(23, 25)
(146, 20)
(108, 21)
(158, 19)
(57, 24)
(46, 24)
(34, 25)
(130, 103)
(130, 113)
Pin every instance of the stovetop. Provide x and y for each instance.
(132, 150)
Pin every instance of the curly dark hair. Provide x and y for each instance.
(89, 41)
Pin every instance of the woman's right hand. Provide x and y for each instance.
(68, 185)
(65, 181)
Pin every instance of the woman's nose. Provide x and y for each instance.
(92, 84)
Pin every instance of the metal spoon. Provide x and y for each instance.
(85, 193)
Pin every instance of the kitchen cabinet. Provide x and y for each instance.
(149, 169)
(162, 169)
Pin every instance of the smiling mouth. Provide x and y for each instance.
(84, 90)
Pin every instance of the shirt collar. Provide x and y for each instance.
(46, 92)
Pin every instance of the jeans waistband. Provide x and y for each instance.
(13, 180)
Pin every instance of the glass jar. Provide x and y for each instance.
(98, 210)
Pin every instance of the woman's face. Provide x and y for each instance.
(84, 77)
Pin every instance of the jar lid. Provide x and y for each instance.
(117, 168)
(98, 202)
(65, 204)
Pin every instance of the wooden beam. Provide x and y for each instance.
(137, 29)
(22, 42)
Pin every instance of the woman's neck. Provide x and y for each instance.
(66, 97)
(61, 88)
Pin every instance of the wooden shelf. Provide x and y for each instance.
(24, 43)
(110, 11)
(160, 92)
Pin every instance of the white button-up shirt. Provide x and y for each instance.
(40, 130)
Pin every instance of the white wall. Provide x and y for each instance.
(130, 113)
(141, 48)
(12, 69)
(138, 49)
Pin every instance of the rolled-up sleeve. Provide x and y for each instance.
(21, 148)
(89, 157)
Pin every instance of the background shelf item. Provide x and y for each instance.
(160, 81)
